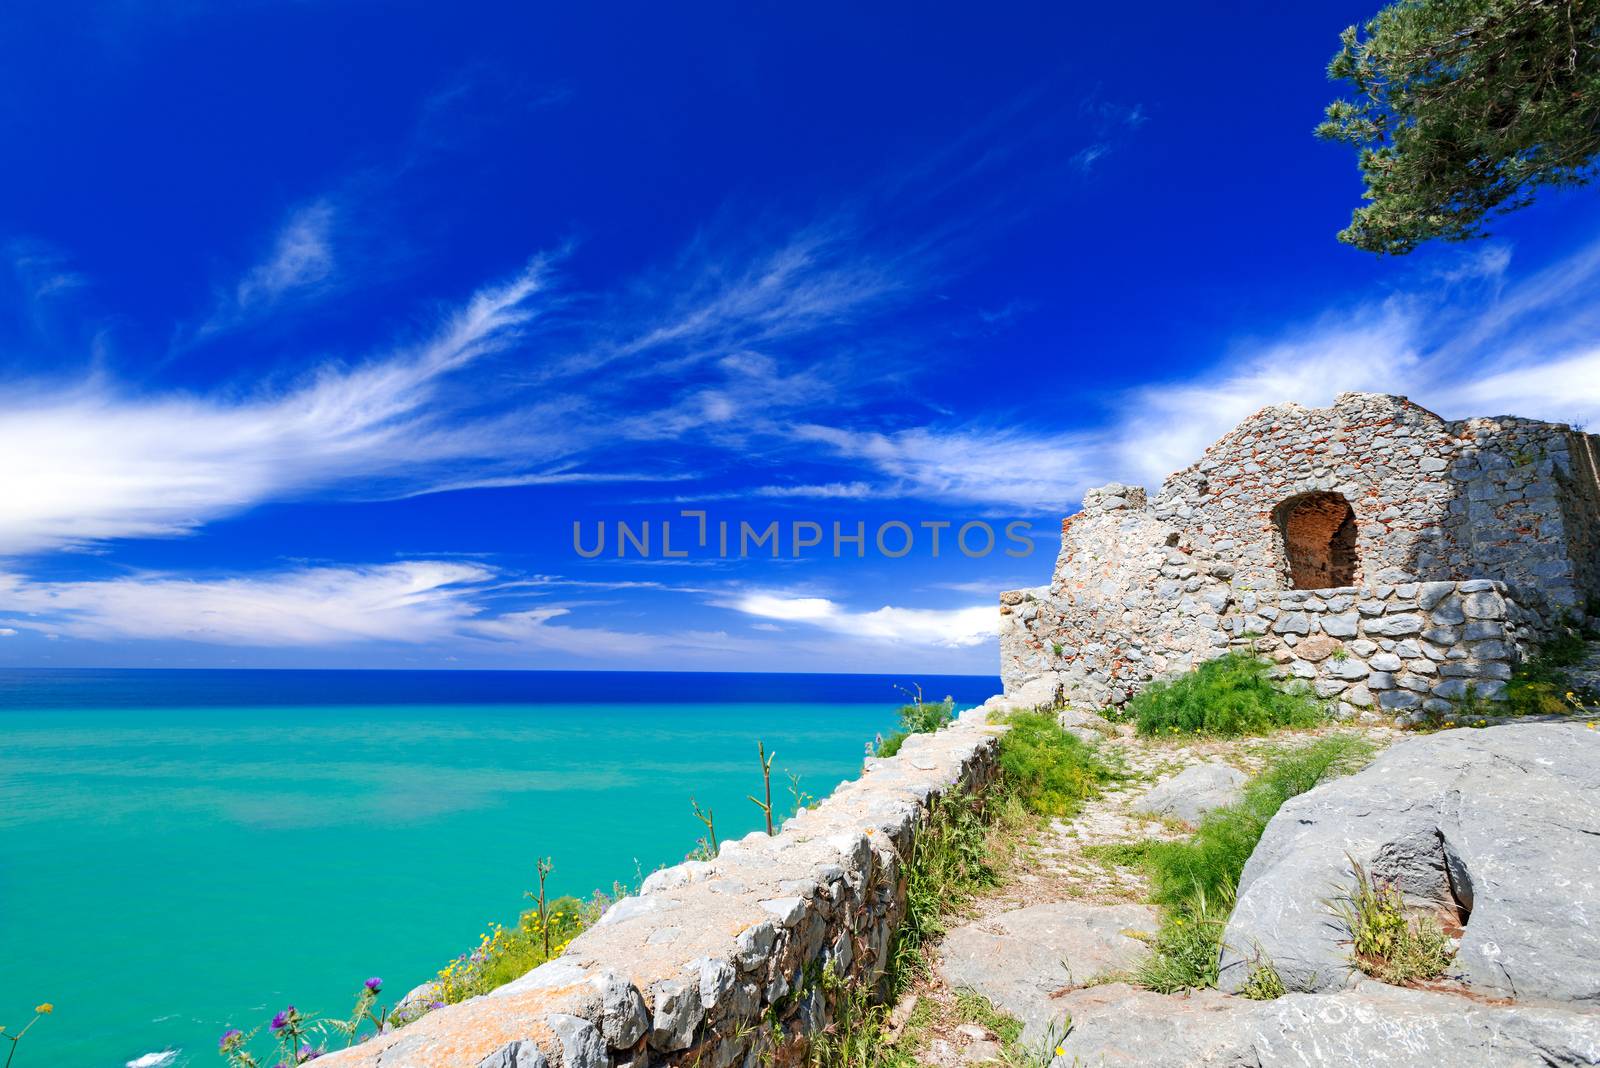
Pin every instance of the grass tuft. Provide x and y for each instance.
(1263, 984)
(1184, 954)
(1229, 695)
(1209, 863)
(1386, 941)
(1046, 767)
(1195, 880)
(918, 717)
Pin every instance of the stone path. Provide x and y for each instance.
(1071, 918)
(1067, 912)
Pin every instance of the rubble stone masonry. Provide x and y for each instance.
(1386, 556)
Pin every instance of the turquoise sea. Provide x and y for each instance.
(183, 851)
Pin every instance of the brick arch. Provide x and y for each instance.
(1317, 533)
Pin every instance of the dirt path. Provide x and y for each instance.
(1055, 888)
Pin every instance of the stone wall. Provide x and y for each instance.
(717, 963)
(1406, 649)
(1145, 588)
(1433, 500)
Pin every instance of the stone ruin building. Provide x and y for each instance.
(1387, 557)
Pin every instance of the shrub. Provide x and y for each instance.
(1196, 879)
(1538, 685)
(918, 717)
(1386, 942)
(1046, 767)
(1229, 695)
(507, 953)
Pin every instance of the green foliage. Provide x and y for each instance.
(890, 744)
(1386, 942)
(1538, 685)
(855, 1036)
(1462, 108)
(1046, 767)
(918, 717)
(293, 1032)
(507, 953)
(946, 865)
(1211, 861)
(1229, 695)
(1184, 955)
(1263, 984)
(975, 1008)
(1196, 879)
(1119, 854)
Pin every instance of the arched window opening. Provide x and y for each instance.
(1319, 540)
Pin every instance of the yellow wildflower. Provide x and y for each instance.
(44, 1009)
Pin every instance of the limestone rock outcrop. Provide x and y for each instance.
(1193, 792)
(1020, 960)
(1372, 1025)
(1498, 828)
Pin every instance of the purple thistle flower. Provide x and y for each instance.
(308, 1054)
(374, 984)
(435, 1004)
(230, 1037)
(280, 1021)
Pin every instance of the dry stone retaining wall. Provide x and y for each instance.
(716, 964)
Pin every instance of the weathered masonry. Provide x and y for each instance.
(719, 964)
(1386, 556)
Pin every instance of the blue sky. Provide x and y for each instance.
(321, 324)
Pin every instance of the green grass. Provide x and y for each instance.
(1195, 880)
(1386, 941)
(1184, 954)
(973, 1007)
(946, 864)
(1044, 771)
(1210, 862)
(1119, 854)
(1263, 984)
(855, 1037)
(1050, 770)
(1538, 685)
(918, 717)
(1229, 695)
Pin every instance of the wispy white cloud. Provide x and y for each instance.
(950, 627)
(821, 491)
(41, 271)
(300, 263)
(444, 603)
(410, 602)
(1085, 158)
(302, 256)
(1000, 465)
(1462, 341)
(89, 462)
